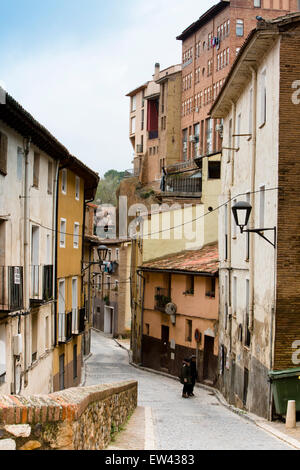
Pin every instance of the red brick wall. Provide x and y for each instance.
(288, 267)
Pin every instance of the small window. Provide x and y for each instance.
(257, 3)
(64, 181)
(132, 126)
(133, 103)
(3, 153)
(190, 285)
(75, 368)
(50, 176)
(117, 254)
(108, 278)
(76, 235)
(63, 224)
(214, 170)
(240, 28)
(147, 329)
(211, 287)
(116, 286)
(77, 188)
(188, 330)
(36, 169)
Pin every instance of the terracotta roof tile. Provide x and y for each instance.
(204, 260)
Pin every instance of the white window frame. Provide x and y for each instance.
(240, 24)
(77, 188)
(257, 4)
(64, 179)
(62, 314)
(263, 98)
(62, 238)
(76, 235)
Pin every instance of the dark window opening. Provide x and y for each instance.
(214, 170)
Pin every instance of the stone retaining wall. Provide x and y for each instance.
(73, 419)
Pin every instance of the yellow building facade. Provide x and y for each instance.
(70, 316)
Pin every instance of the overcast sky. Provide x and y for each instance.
(70, 64)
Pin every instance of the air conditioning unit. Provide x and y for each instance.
(17, 345)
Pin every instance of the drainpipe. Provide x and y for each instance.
(252, 220)
(55, 241)
(142, 312)
(26, 148)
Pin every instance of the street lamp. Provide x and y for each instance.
(241, 213)
(102, 251)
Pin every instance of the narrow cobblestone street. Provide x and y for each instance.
(201, 423)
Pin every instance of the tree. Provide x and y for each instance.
(106, 192)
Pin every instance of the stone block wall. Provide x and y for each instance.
(73, 419)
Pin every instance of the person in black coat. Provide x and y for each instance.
(186, 378)
(194, 375)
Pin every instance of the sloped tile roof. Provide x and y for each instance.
(205, 260)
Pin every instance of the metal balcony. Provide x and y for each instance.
(161, 299)
(64, 327)
(11, 288)
(184, 185)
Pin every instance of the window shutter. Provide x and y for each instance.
(3, 153)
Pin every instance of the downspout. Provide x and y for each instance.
(142, 312)
(229, 225)
(252, 220)
(27, 143)
(55, 248)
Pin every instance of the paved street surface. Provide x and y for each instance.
(199, 423)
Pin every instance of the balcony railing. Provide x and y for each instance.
(162, 298)
(131, 173)
(139, 148)
(64, 327)
(41, 287)
(181, 166)
(184, 185)
(11, 288)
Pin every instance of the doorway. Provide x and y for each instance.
(62, 372)
(108, 320)
(208, 367)
(164, 351)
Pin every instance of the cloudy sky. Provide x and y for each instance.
(70, 64)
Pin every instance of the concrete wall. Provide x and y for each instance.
(76, 419)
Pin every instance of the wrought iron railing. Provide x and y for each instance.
(162, 298)
(64, 327)
(11, 288)
(47, 282)
(184, 185)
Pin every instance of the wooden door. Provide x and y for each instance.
(164, 354)
(208, 370)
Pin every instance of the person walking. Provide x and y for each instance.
(194, 375)
(186, 378)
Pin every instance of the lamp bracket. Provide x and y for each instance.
(260, 231)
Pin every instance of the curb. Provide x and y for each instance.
(259, 422)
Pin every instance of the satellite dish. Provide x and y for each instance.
(171, 309)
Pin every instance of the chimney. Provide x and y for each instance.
(156, 72)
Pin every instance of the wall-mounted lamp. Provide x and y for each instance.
(241, 213)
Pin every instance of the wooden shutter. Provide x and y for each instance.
(3, 153)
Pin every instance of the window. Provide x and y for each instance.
(77, 188)
(63, 224)
(209, 140)
(190, 285)
(76, 235)
(20, 164)
(251, 111)
(3, 153)
(75, 373)
(142, 119)
(108, 282)
(50, 176)
(240, 28)
(211, 287)
(117, 254)
(116, 286)
(133, 125)
(247, 335)
(147, 329)
(34, 335)
(61, 310)
(226, 231)
(263, 99)
(36, 169)
(257, 3)
(238, 141)
(2, 352)
(234, 295)
(133, 103)
(188, 330)
(214, 170)
(64, 181)
(262, 207)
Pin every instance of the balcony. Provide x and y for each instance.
(162, 299)
(41, 288)
(184, 185)
(64, 327)
(140, 148)
(11, 288)
(78, 321)
(131, 173)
